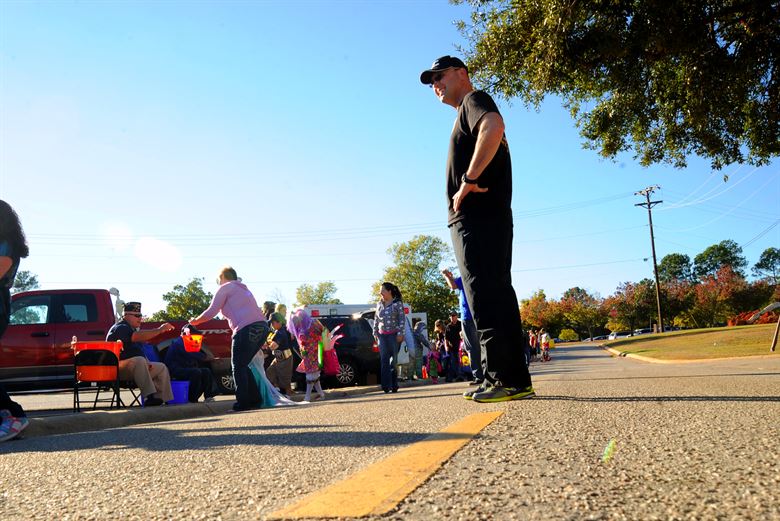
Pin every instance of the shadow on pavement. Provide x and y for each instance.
(165, 440)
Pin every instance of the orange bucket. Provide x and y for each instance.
(96, 373)
(114, 347)
(192, 343)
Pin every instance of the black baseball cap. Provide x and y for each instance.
(441, 64)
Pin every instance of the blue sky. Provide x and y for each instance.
(147, 143)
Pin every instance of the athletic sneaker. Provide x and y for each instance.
(469, 395)
(503, 394)
(11, 427)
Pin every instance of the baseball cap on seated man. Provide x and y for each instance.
(132, 307)
(441, 64)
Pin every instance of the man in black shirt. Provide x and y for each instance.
(479, 196)
(152, 378)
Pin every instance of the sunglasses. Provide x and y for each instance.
(438, 76)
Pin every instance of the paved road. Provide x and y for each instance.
(693, 441)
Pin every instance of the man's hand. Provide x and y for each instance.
(464, 190)
(166, 327)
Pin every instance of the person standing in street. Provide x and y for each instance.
(13, 248)
(250, 330)
(389, 322)
(279, 373)
(479, 197)
(470, 338)
(452, 338)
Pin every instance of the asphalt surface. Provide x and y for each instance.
(691, 441)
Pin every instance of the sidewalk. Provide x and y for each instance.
(61, 420)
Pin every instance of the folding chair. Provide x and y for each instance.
(96, 363)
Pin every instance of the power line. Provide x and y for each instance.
(761, 233)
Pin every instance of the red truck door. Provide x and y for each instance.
(76, 314)
(27, 347)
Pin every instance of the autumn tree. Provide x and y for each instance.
(632, 304)
(582, 311)
(717, 256)
(716, 296)
(416, 270)
(321, 293)
(184, 302)
(661, 79)
(538, 312)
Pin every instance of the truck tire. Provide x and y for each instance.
(348, 374)
(226, 384)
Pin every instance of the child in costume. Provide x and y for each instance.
(309, 334)
(433, 365)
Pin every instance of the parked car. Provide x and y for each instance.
(643, 331)
(358, 353)
(619, 334)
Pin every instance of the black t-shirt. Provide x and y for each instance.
(452, 333)
(282, 338)
(124, 332)
(497, 176)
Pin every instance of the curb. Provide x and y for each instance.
(623, 354)
(71, 423)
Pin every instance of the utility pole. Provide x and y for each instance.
(649, 205)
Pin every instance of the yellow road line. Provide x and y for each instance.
(378, 488)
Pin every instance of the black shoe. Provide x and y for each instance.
(394, 389)
(152, 401)
(239, 408)
(386, 390)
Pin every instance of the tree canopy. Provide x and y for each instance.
(768, 265)
(184, 302)
(715, 257)
(24, 281)
(675, 267)
(661, 79)
(322, 293)
(416, 270)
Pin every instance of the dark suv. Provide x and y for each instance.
(357, 352)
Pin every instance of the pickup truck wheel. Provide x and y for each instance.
(348, 373)
(226, 384)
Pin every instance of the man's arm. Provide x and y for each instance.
(490, 133)
(450, 279)
(147, 334)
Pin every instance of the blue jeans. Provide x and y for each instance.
(471, 341)
(246, 343)
(388, 354)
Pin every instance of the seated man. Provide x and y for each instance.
(185, 365)
(152, 378)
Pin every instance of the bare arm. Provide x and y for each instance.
(145, 335)
(5, 265)
(450, 279)
(489, 135)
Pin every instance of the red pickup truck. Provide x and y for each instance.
(35, 350)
